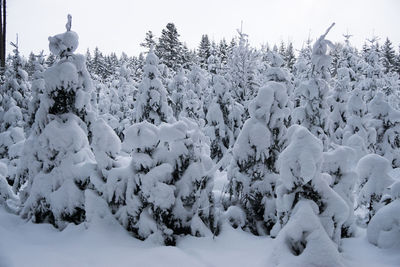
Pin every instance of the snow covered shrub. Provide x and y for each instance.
(339, 164)
(253, 172)
(386, 122)
(384, 228)
(373, 172)
(301, 179)
(57, 160)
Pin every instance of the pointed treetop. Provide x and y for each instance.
(69, 22)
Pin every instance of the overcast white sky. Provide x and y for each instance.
(120, 25)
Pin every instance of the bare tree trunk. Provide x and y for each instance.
(3, 36)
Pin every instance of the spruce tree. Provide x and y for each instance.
(203, 52)
(57, 157)
(389, 56)
(253, 171)
(169, 48)
(151, 103)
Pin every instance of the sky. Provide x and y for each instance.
(120, 25)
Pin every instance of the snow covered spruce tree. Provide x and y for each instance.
(339, 164)
(37, 88)
(151, 102)
(310, 213)
(253, 171)
(177, 88)
(223, 119)
(57, 158)
(357, 123)
(16, 88)
(337, 103)
(373, 172)
(165, 192)
(312, 112)
(12, 140)
(386, 122)
(276, 72)
(372, 71)
(242, 65)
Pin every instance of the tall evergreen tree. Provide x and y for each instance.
(169, 48)
(290, 57)
(388, 56)
(203, 51)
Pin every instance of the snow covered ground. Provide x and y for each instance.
(105, 243)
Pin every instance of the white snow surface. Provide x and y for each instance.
(105, 243)
(108, 244)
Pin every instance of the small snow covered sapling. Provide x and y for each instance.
(373, 171)
(223, 119)
(151, 103)
(339, 163)
(386, 122)
(57, 159)
(301, 178)
(384, 228)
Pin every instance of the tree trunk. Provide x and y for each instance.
(3, 36)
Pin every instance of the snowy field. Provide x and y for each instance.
(105, 243)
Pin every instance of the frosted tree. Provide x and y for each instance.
(192, 107)
(357, 122)
(169, 191)
(275, 71)
(223, 119)
(57, 158)
(242, 66)
(389, 56)
(124, 94)
(312, 110)
(253, 171)
(203, 51)
(37, 88)
(169, 48)
(310, 213)
(373, 171)
(12, 139)
(386, 122)
(148, 40)
(339, 164)
(372, 71)
(337, 103)
(16, 88)
(301, 178)
(151, 103)
(178, 90)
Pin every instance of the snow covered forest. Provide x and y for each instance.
(295, 152)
